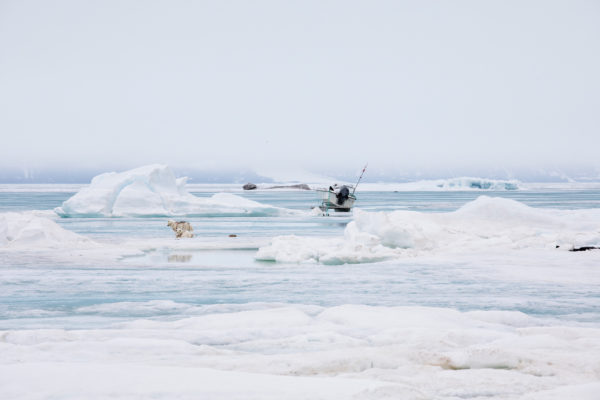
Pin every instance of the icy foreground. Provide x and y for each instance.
(485, 224)
(153, 190)
(269, 351)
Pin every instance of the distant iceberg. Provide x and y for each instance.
(451, 184)
(485, 224)
(151, 191)
(466, 183)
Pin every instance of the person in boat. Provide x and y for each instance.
(342, 195)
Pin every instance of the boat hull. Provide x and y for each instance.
(329, 201)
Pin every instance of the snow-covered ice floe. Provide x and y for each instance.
(482, 225)
(29, 230)
(151, 191)
(275, 351)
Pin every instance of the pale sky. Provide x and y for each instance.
(304, 84)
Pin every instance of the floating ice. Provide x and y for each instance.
(483, 224)
(29, 230)
(153, 190)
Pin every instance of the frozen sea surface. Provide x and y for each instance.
(192, 320)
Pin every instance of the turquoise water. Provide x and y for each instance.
(39, 292)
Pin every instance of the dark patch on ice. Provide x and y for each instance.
(179, 258)
(585, 248)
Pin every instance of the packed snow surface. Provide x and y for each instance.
(153, 190)
(485, 224)
(279, 351)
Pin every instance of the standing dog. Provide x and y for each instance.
(181, 229)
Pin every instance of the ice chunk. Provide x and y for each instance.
(27, 229)
(481, 225)
(153, 190)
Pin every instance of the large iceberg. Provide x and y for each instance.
(486, 223)
(153, 190)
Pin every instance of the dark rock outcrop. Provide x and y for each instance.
(249, 186)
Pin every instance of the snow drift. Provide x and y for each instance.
(483, 224)
(373, 352)
(153, 190)
(29, 230)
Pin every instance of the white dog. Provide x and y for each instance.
(181, 229)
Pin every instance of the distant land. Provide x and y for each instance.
(244, 175)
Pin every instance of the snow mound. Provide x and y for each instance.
(482, 225)
(153, 190)
(27, 229)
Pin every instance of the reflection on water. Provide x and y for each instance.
(182, 258)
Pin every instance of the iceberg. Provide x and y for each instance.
(484, 224)
(467, 183)
(153, 191)
(452, 184)
(28, 230)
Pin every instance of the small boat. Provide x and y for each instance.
(339, 198)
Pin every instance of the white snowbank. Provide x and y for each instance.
(307, 352)
(29, 230)
(484, 224)
(153, 190)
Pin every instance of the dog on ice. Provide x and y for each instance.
(181, 229)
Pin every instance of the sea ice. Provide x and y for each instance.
(153, 190)
(291, 351)
(484, 224)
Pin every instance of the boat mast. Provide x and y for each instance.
(361, 175)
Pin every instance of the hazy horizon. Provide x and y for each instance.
(241, 175)
(501, 88)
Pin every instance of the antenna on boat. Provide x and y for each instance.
(361, 174)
